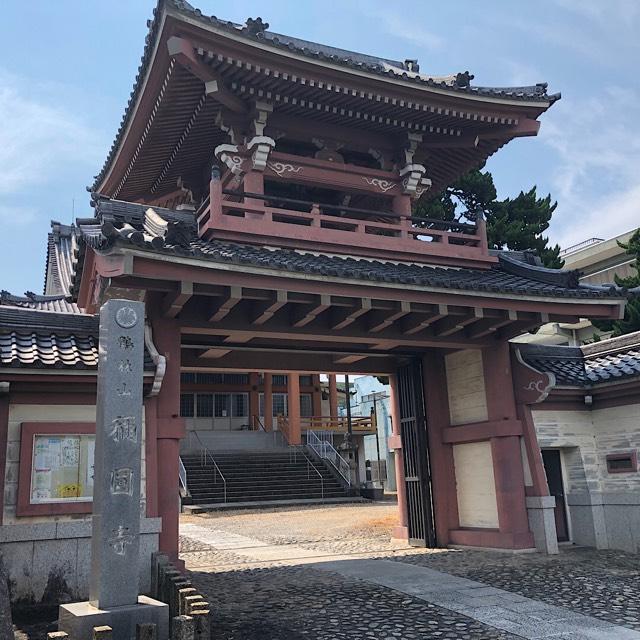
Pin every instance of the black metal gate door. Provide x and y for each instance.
(415, 446)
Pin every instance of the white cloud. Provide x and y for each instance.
(402, 27)
(597, 165)
(38, 139)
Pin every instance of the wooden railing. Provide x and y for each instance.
(235, 215)
(359, 424)
(257, 424)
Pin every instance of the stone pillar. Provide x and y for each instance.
(401, 531)
(293, 401)
(317, 395)
(171, 428)
(268, 401)
(542, 521)
(254, 398)
(115, 538)
(333, 396)
(443, 477)
(507, 454)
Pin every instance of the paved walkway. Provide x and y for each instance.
(452, 606)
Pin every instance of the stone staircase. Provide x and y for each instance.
(260, 476)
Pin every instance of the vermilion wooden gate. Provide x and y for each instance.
(417, 473)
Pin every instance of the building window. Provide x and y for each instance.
(221, 405)
(622, 462)
(306, 405)
(306, 381)
(240, 405)
(62, 468)
(280, 404)
(279, 380)
(204, 404)
(186, 405)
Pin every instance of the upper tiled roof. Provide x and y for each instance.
(394, 69)
(62, 255)
(605, 361)
(55, 303)
(174, 232)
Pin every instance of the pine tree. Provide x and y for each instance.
(515, 224)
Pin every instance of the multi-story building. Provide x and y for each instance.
(258, 199)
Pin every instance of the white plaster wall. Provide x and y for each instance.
(465, 386)
(19, 413)
(617, 430)
(475, 485)
(573, 432)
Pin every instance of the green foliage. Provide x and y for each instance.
(513, 223)
(631, 320)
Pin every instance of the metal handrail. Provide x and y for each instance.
(256, 419)
(326, 451)
(182, 475)
(204, 453)
(294, 450)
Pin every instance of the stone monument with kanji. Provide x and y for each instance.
(115, 560)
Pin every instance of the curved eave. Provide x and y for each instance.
(156, 64)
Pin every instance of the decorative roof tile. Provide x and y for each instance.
(597, 363)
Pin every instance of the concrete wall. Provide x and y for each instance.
(603, 508)
(465, 385)
(48, 557)
(475, 485)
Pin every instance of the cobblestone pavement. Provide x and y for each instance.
(601, 584)
(283, 599)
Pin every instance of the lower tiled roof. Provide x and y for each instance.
(36, 339)
(597, 363)
(55, 303)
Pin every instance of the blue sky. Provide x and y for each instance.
(67, 69)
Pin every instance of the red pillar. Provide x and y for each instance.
(151, 455)
(254, 398)
(443, 478)
(293, 400)
(171, 427)
(4, 434)
(333, 396)
(254, 183)
(268, 401)
(401, 531)
(317, 395)
(507, 455)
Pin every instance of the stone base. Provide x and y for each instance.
(400, 532)
(78, 619)
(542, 521)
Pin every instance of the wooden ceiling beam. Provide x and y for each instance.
(301, 317)
(174, 301)
(448, 326)
(344, 318)
(380, 320)
(222, 308)
(266, 311)
(490, 325)
(417, 322)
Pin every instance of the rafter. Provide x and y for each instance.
(222, 308)
(449, 326)
(174, 301)
(266, 310)
(301, 317)
(183, 52)
(343, 318)
(380, 320)
(418, 322)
